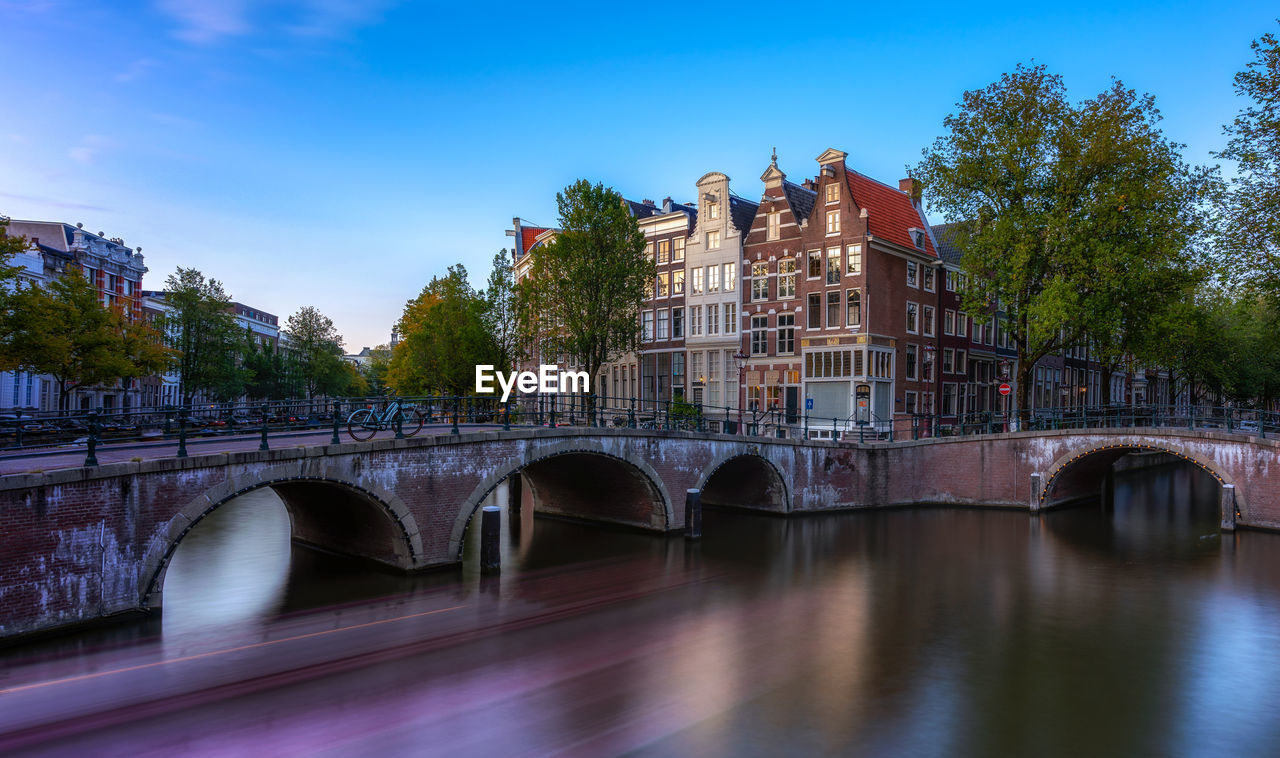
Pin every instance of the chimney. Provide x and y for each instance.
(666, 204)
(911, 189)
(809, 185)
(647, 202)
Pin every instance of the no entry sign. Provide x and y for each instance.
(1005, 389)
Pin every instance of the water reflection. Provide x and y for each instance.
(1116, 628)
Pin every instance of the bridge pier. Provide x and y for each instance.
(1228, 507)
(1034, 500)
(515, 492)
(693, 514)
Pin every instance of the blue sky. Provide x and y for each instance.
(339, 153)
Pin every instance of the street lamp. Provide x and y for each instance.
(740, 358)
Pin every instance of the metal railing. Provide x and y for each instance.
(178, 426)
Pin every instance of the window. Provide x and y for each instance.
(663, 285)
(978, 327)
(855, 259)
(815, 264)
(759, 335)
(833, 265)
(833, 192)
(911, 402)
(833, 309)
(913, 324)
(695, 367)
(949, 400)
(713, 240)
(677, 253)
(663, 317)
(786, 278)
(833, 222)
(927, 314)
(912, 273)
(951, 281)
(962, 325)
(948, 361)
(928, 278)
(730, 277)
(853, 308)
(713, 319)
(948, 322)
(677, 371)
(773, 230)
(697, 281)
(677, 282)
(713, 278)
(664, 251)
(786, 333)
(759, 281)
(913, 357)
(648, 250)
(815, 311)
(713, 211)
(646, 324)
(677, 323)
(730, 318)
(695, 321)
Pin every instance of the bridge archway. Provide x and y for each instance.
(746, 480)
(331, 514)
(1079, 473)
(580, 479)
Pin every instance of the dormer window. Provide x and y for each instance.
(917, 238)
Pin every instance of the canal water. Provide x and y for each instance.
(1129, 626)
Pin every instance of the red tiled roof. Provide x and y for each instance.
(890, 214)
(529, 236)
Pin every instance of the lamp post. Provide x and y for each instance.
(740, 358)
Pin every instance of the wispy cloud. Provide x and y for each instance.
(90, 147)
(135, 70)
(207, 22)
(336, 18)
(51, 202)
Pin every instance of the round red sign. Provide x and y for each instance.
(1005, 389)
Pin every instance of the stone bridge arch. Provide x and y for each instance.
(608, 470)
(745, 479)
(356, 519)
(1090, 461)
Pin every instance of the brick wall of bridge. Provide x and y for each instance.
(84, 543)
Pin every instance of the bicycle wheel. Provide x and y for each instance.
(412, 423)
(362, 425)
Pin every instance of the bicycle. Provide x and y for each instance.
(363, 423)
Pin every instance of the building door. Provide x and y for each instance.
(882, 399)
(791, 400)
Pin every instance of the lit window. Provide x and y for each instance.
(663, 289)
(713, 319)
(833, 222)
(833, 192)
(730, 318)
(664, 251)
(730, 277)
(697, 281)
(677, 254)
(786, 278)
(713, 278)
(677, 282)
(759, 281)
(713, 240)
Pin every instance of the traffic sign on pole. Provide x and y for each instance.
(1005, 389)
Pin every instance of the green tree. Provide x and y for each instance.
(68, 334)
(316, 345)
(1250, 228)
(583, 299)
(9, 284)
(500, 315)
(1069, 214)
(202, 331)
(443, 338)
(375, 371)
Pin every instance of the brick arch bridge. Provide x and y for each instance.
(90, 542)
